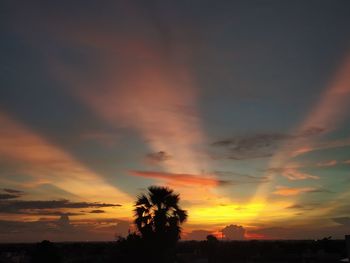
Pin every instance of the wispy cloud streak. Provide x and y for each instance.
(292, 191)
(47, 163)
(326, 114)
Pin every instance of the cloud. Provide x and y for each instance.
(64, 221)
(50, 213)
(158, 157)
(291, 173)
(238, 178)
(234, 232)
(321, 190)
(13, 191)
(303, 207)
(97, 211)
(296, 206)
(22, 206)
(182, 179)
(327, 163)
(260, 145)
(292, 170)
(10, 194)
(291, 191)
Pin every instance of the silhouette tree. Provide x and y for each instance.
(158, 217)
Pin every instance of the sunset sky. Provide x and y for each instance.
(242, 107)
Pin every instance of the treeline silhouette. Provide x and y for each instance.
(186, 252)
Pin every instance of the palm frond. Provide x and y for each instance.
(140, 211)
(143, 200)
(181, 214)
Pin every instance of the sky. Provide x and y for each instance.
(241, 107)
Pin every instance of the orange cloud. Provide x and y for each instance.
(290, 191)
(181, 179)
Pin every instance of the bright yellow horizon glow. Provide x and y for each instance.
(241, 214)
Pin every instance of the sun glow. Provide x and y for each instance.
(244, 214)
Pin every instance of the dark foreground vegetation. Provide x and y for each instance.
(185, 251)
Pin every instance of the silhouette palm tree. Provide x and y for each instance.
(159, 217)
